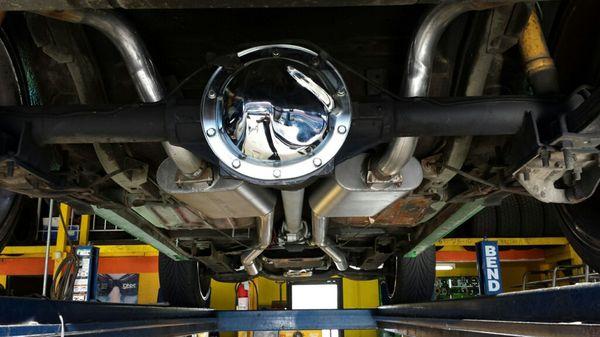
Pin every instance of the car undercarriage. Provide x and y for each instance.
(299, 140)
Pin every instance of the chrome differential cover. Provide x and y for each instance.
(275, 111)
(282, 115)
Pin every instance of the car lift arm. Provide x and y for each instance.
(546, 312)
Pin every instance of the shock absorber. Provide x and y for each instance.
(539, 65)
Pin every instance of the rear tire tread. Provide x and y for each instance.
(415, 278)
(532, 217)
(509, 218)
(179, 283)
(484, 224)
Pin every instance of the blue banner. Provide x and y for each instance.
(488, 265)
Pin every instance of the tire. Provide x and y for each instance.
(409, 280)
(10, 88)
(532, 217)
(26, 229)
(10, 208)
(509, 218)
(183, 283)
(580, 226)
(484, 224)
(552, 221)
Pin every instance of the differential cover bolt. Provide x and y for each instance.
(236, 163)
(341, 92)
(212, 94)
(276, 173)
(211, 132)
(341, 129)
(317, 162)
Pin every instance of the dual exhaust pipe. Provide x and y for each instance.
(390, 164)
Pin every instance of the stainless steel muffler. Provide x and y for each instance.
(225, 198)
(348, 194)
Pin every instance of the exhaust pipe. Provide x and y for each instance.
(320, 239)
(420, 64)
(265, 234)
(149, 88)
(336, 198)
(139, 65)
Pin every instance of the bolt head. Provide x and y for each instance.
(275, 52)
(317, 162)
(212, 94)
(341, 92)
(276, 173)
(236, 163)
(211, 132)
(342, 129)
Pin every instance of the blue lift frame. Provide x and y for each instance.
(546, 312)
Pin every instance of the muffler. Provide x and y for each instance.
(216, 198)
(348, 194)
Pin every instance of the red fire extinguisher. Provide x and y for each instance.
(243, 303)
(242, 296)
